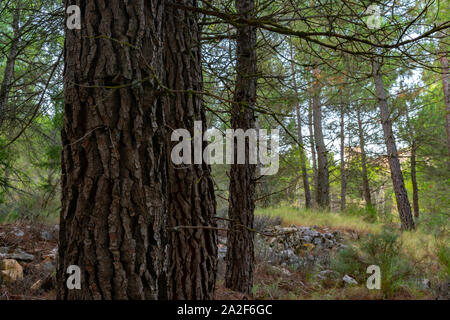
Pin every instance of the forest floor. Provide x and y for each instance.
(417, 272)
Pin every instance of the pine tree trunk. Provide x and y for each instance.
(240, 254)
(8, 75)
(362, 146)
(300, 137)
(403, 206)
(414, 181)
(445, 85)
(313, 148)
(114, 188)
(193, 251)
(342, 152)
(323, 195)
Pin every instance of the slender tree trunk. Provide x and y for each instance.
(445, 85)
(362, 145)
(114, 186)
(414, 181)
(413, 167)
(240, 254)
(323, 187)
(342, 151)
(313, 148)
(300, 137)
(8, 75)
(403, 206)
(193, 252)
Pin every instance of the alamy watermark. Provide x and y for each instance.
(251, 143)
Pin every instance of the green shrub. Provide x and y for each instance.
(383, 250)
(368, 213)
(443, 254)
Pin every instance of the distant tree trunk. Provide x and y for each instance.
(414, 181)
(240, 254)
(403, 206)
(413, 166)
(263, 188)
(323, 187)
(362, 145)
(300, 137)
(8, 75)
(114, 194)
(342, 151)
(445, 85)
(313, 147)
(191, 200)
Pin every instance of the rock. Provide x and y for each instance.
(4, 250)
(327, 274)
(19, 254)
(18, 233)
(349, 280)
(425, 283)
(282, 270)
(45, 236)
(318, 241)
(11, 270)
(47, 266)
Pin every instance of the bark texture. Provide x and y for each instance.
(193, 250)
(8, 75)
(403, 206)
(114, 188)
(323, 186)
(240, 254)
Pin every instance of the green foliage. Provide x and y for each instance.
(443, 255)
(367, 213)
(383, 250)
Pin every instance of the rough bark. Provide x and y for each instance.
(362, 146)
(323, 186)
(240, 254)
(8, 75)
(403, 206)
(193, 251)
(114, 188)
(300, 137)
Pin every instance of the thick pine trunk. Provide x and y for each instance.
(114, 188)
(193, 251)
(240, 254)
(403, 206)
(8, 75)
(362, 146)
(300, 137)
(323, 186)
